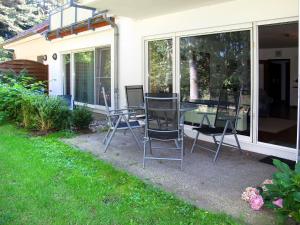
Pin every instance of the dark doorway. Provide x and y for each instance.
(277, 95)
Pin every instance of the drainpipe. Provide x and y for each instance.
(116, 59)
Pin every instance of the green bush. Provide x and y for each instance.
(45, 113)
(11, 100)
(81, 118)
(286, 186)
(22, 99)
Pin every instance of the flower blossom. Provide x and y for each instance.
(278, 202)
(256, 202)
(249, 193)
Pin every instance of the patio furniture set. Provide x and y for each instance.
(162, 117)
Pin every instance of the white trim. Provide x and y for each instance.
(276, 21)
(255, 84)
(215, 30)
(72, 75)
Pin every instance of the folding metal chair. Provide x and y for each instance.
(225, 121)
(118, 120)
(162, 124)
(135, 101)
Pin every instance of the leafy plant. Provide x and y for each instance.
(23, 100)
(45, 113)
(286, 188)
(81, 118)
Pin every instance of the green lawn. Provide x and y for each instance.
(44, 181)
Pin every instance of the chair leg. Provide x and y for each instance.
(195, 141)
(106, 136)
(150, 146)
(237, 142)
(145, 145)
(182, 154)
(219, 148)
(221, 142)
(112, 134)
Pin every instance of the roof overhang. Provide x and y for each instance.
(141, 9)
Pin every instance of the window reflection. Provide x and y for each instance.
(210, 62)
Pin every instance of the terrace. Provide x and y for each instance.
(213, 186)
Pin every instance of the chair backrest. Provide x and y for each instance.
(135, 96)
(68, 100)
(162, 115)
(228, 107)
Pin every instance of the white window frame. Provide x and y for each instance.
(146, 60)
(99, 108)
(256, 84)
(176, 60)
(253, 27)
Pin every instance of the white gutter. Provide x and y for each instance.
(116, 60)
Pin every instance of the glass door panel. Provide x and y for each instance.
(160, 66)
(210, 62)
(67, 74)
(84, 77)
(103, 75)
(278, 84)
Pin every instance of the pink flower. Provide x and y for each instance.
(256, 202)
(278, 202)
(249, 193)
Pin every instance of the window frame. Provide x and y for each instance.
(72, 75)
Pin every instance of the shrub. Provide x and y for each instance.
(81, 118)
(45, 113)
(11, 100)
(283, 195)
(22, 99)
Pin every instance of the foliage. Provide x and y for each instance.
(160, 65)
(23, 101)
(44, 113)
(19, 15)
(286, 186)
(44, 181)
(81, 118)
(24, 79)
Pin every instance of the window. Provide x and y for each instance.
(209, 62)
(160, 56)
(84, 77)
(92, 71)
(103, 75)
(67, 74)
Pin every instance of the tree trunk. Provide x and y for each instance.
(193, 77)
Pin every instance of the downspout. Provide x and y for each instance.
(116, 59)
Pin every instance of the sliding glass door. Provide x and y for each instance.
(160, 66)
(67, 74)
(211, 62)
(103, 75)
(84, 77)
(91, 71)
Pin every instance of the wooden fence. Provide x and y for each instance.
(35, 69)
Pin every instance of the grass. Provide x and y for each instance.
(44, 181)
